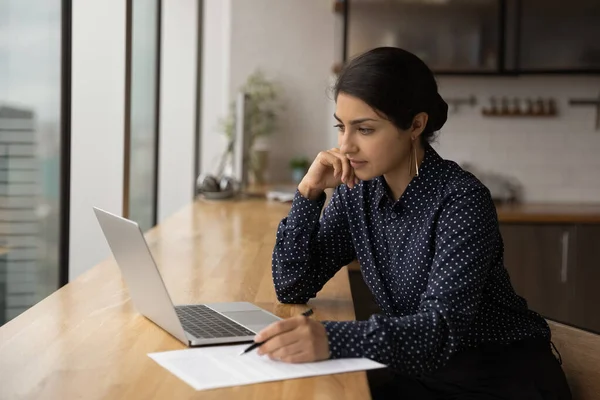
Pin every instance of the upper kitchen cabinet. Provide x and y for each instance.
(559, 36)
(453, 36)
(480, 36)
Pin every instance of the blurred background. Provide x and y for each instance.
(126, 105)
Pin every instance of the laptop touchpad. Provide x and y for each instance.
(253, 320)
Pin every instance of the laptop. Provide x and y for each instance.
(192, 324)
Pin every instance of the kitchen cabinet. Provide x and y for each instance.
(482, 37)
(555, 35)
(457, 36)
(364, 301)
(538, 259)
(585, 301)
(556, 268)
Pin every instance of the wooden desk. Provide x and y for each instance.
(87, 341)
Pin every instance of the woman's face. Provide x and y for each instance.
(373, 144)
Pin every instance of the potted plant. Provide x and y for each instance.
(299, 167)
(262, 107)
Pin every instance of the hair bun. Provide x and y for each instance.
(440, 112)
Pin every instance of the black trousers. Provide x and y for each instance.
(526, 370)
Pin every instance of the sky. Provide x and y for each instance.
(30, 44)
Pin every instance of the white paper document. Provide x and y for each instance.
(222, 366)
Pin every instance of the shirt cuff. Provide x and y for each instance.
(305, 211)
(346, 338)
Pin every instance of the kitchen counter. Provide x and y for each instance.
(567, 213)
(542, 213)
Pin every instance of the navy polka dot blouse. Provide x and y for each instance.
(433, 261)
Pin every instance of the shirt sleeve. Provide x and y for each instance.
(466, 244)
(308, 252)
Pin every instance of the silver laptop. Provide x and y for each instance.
(194, 325)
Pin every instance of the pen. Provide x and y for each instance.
(254, 345)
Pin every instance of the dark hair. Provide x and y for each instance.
(396, 83)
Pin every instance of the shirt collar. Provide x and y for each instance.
(429, 172)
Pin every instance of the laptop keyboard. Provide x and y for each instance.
(205, 323)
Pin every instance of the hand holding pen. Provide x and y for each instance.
(294, 340)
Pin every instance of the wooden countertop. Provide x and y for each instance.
(86, 340)
(549, 213)
(559, 213)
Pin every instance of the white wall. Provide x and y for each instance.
(293, 42)
(216, 48)
(555, 159)
(97, 121)
(177, 105)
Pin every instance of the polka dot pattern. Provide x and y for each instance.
(432, 259)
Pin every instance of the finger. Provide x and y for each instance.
(349, 172)
(277, 328)
(334, 157)
(352, 179)
(300, 357)
(325, 160)
(344, 162)
(288, 350)
(356, 179)
(279, 343)
(329, 159)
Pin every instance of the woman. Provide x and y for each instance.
(426, 235)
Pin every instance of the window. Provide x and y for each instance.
(33, 137)
(142, 132)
